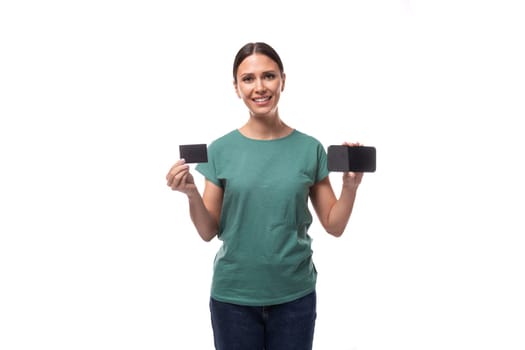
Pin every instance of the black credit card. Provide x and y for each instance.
(359, 159)
(197, 153)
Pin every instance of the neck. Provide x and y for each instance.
(265, 128)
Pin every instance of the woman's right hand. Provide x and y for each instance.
(180, 179)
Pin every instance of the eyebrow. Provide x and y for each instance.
(265, 72)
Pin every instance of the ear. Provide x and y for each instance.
(284, 81)
(236, 89)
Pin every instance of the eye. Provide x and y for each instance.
(247, 79)
(269, 76)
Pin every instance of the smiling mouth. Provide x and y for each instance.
(262, 99)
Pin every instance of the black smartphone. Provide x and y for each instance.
(197, 153)
(359, 159)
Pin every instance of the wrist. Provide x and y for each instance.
(193, 193)
(350, 188)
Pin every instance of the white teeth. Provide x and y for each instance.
(261, 99)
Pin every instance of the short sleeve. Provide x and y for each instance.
(322, 163)
(209, 169)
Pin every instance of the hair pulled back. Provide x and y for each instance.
(252, 49)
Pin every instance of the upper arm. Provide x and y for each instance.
(323, 199)
(212, 198)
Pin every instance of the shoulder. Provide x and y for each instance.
(307, 139)
(225, 140)
(305, 136)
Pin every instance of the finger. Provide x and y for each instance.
(179, 179)
(174, 171)
(177, 163)
(174, 183)
(357, 177)
(354, 175)
(184, 179)
(171, 174)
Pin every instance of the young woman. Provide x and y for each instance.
(259, 179)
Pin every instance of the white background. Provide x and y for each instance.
(95, 97)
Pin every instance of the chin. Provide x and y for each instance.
(263, 112)
(259, 114)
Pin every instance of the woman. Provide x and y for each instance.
(258, 182)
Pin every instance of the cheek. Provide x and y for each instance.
(277, 87)
(240, 92)
(244, 93)
(241, 95)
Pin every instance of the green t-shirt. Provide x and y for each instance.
(266, 256)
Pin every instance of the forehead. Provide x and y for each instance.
(257, 63)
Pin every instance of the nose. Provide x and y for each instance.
(259, 86)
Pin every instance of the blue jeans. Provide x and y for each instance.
(288, 326)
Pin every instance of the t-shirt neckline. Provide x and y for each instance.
(266, 140)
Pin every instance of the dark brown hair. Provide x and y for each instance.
(253, 48)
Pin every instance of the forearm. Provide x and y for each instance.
(341, 211)
(204, 222)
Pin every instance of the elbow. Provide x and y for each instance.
(334, 225)
(207, 237)
(335, 229)
(336, 232)
(207, 232)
